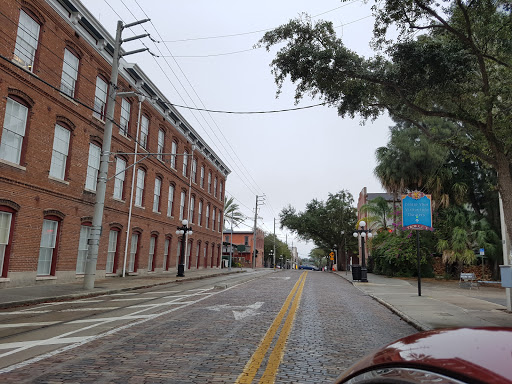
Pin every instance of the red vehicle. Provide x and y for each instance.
(449, 356)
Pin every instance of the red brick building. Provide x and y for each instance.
(55, 65)
(245, 239)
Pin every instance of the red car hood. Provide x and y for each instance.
(471, 354)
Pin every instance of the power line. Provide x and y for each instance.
(248, 112)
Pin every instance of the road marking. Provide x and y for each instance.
(280, 277)
(123, 294)
(158, 292)
(248, 310)
(254, 363)
(52, 341)
(137, 298)
(16, 325)
(109, 319)
(23, 312)
(88, 309)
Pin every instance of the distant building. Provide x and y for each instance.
(243, 242)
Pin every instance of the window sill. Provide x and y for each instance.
(118, 200)
(69, 98)
(124, 136)
(111, 274)
(99, 119)
(41, 278)
(58, 180)
(89, 191)
(79, 276)
(14, 165)
(4, 279)
(157, 213)
(139, 206)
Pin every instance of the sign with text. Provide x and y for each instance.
(417, 211)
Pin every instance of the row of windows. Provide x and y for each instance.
(48, 247)
(15, 121)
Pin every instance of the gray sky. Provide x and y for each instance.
(291, 157)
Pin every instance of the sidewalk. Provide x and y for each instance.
(442, 304)
(19, 296)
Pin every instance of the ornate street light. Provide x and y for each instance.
(271, 254)
(363, 233)
(182, 231)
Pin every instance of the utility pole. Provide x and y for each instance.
(101, 186)
(255, 227)
(274, 253)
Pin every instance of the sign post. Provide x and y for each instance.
(417, 215)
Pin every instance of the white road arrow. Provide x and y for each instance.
(250, 310)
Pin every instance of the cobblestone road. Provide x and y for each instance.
(213, 335)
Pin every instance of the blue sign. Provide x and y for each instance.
(417, 211)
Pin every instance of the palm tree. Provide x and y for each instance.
(232, 212)
(377, 211)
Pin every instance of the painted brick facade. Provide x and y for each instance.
(28, 194)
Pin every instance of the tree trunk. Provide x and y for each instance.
(505, 189)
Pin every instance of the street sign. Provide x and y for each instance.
(482, 251)
(417, 211)
(331, 255)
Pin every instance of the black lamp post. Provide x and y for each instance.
(183, 230)
(363, 233)
(272, 259)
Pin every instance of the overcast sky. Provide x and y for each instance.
(291, 157)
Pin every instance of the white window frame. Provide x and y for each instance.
(27, 41)
(156, 194)
(185, 163)
(174, 149)
(201, 180)
(60, 152)
(221, 185)
(83, 247)
(151, 257)
(119, 178)
(139, 190)
(144, 132)
(100, 98)
(133, 252)
(47, 247)
(209, 182)
(93, 167)
(112, 249)
(207, 216)
(161, 141)
(124, 121)
(191, 209)
(69, 73)
(218, 221)
(194, 170)
(214, 211)
(215, 187)
(170, 200)
(13, 133)
(199, 212)
(182, 204)
(5, 231)
(166, 253)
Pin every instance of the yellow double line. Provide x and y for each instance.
(254, 363)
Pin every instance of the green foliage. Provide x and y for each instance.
(232, 213)
(281, 249)
(396, 255)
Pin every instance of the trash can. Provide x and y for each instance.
(356, 272)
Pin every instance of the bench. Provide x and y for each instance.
(468, 279)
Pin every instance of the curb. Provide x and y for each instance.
(403, 316)
(84, 295)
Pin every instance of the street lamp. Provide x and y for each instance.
(363, 233)
(281, 262)
(182, 231)
(271, 254)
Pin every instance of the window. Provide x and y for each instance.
(170, 200)
(174, 148)
(151, 258)
(47, 247)
(139, 190)
(160, 149)
(214, 210)
(201, 182)
(112, 251)
(246, 240)
(6, 219)
(199, 213)
(178, 253)
(60, 152)
(207, 216)
(218, 221)
(156, 195)
(226, 239)
(191, 213)
(215, 187)
(220, 190)
(124, 122)
(185, 163)
(198, 248)
(83, 248)
(134, 251)
(69, 73)
(100, 98)
(209, 182)
(26, 41)
(93, 167)
(119, 178)
(13, 134)
(167, 247)
(182, 204)
(144, 131)
(194, 170)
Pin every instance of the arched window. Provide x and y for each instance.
(161, 142)
(185, 163)
(174, 150)
(156, 194)
(48, 246)
(14, 138)
(124, 121)
(113, 243)
(198, 254)
(152, 250)
(192, 204)
(69, 72)
(27, 40)
(93, 166)
(170, 200)
(133, 262)
(144, 132)
(182, 205)
(200, 213)
(83, 247)
(100, 98)
(167, 252)
(119, 178)
(7, 220)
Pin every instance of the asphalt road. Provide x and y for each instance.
(284, 327)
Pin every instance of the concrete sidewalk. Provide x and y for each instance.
(442, 304)
(19, 296)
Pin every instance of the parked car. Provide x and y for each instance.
(452, 356)
(308, 267)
